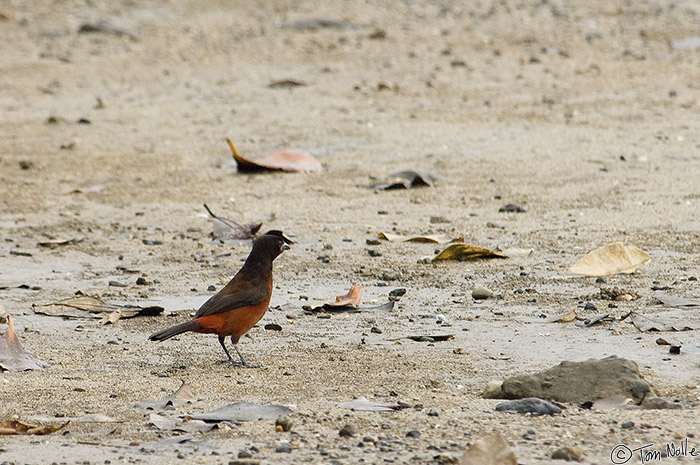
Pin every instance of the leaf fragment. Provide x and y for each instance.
(464, 252)
(280, 160)
(13, 355)
(17, 427)
(428, 238)
(407, 179)
(86, 306)
(224, 229)
(615, 258)
(365, 405)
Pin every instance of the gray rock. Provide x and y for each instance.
(580, 382)
(481, 293)
(568, 453)
(529, 405)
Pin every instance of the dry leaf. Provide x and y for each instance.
(182, 396)
(53, 243)
(365, 405)
(16, 427)
(672, 301)
(226, 229)
(13, 356)
(353, 297)
(350, 303)
(286, 83)
(243, 411)
(463, 252)
(644, 324)
(92, 307)
(281, 160)
(407, 179)
(432, 238)
(489, 450)
(564, 317)
(609, 260)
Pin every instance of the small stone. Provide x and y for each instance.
(285, 422)
(433, 413)
(481, 293)
(493, 390)
(284, 449)
(390, 276)
(568, 453)
(662, 342)
(397, 292)
(531, 405)
(372, 242)
(324, 258)
(26, 164)
(347, 431)
(512, 208)
(674, 349)
(244, 454)
(590, 306)
(627, 425)
(211, 288)
(374, 253)
(116, 284)
(273, 327)
(414, 434)
(376, 330)
(141, 281)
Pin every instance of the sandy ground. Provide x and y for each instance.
(581, 112)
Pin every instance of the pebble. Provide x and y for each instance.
(590, 306)
(141, 281)
(481, 293)
(284, 422)
(376, 330)
(414, 434)
(372, 242)
(273, 327)
(568, 453)
(244, 454)
(433, 413)
(211, 288)
(374, 253)
(324, 258)
(627, 425)
(531, 405)
(511, 208)
(284, 448)
(390, 276)
(397, 292)
(116, 284)
(347, 431)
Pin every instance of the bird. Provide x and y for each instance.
(240, 304)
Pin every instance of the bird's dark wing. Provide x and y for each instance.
(225, 302)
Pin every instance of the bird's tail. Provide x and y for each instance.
(167, 333)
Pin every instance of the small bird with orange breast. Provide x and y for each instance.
(241, 303)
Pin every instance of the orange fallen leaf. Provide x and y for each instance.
(13, 356)
(280, 160)
(351, 298)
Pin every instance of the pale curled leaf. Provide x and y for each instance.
(563, 317)
(429, 238)
(353, 297)
(92, 307)
(281, 160)
(407, 179)
(225, 229)
(182, 396)
(466, 252)
(615, 258)
(243, 411)
(13, 356)
(644, 323)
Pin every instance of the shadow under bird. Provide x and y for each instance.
(241, 303)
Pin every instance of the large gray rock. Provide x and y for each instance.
(580, 382)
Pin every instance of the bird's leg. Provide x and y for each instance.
(243, 361)
(222, 340)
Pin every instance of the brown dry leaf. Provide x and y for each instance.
(281, 160)
(13, 356)
(111, 318)
(91, 307)
(463, 252)
(353, 297)
(432, 238)
(610, 259)
(489, 450)
(224, 229)
(16, 427)
(564, 317)
(286, 83)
